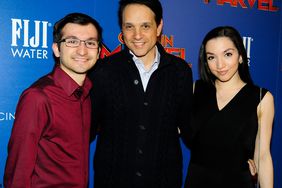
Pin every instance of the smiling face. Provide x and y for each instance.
(140, 31)
(223, 59)
(78, 60)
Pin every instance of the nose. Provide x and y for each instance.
(220, 63)
(82, 49)
(137, 33)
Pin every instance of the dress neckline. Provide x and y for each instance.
(230, 101)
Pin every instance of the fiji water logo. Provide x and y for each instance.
(29, 39)
(265, 5)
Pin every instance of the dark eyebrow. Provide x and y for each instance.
(210, 53)
(127, 23)
(228, 49)
(70, 37)
(92, 38)
(74, 37)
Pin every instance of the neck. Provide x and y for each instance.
(232, 84)
(79, 79)
(148, 59)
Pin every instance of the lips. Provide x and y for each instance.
(138, 44)
(222, 73)
(80, 59)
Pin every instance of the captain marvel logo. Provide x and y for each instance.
(166, 41)
(265, 5)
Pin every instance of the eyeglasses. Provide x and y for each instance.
(73, 43)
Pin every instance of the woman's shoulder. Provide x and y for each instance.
(258, 90)
(259, 93)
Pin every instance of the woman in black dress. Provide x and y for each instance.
(232, 118)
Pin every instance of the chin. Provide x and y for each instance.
(138, 53)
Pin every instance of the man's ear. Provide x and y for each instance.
(160, 28)
(56, 49)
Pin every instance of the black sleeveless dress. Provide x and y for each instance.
(223, 140)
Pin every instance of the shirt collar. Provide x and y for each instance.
(68, 84)
(139, 61)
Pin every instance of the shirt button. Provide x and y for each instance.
(138, 174)
(142, 127)
(146, 103)
(136, 82)
(139, 151)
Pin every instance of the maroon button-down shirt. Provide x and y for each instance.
(49, 143)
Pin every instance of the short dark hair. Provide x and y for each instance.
(235, 37)
(154, 5)
(76, 18)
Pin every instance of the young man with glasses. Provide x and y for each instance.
(49, 144)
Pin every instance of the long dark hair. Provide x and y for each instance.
(235, 37)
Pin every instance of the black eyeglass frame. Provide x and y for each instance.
(72, 45)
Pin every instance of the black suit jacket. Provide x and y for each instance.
(138, 141)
